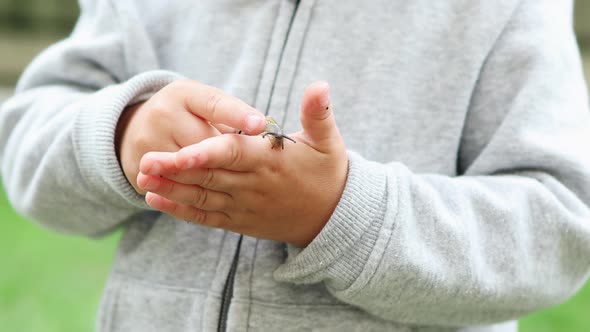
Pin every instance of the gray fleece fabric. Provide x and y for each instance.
(467, 124)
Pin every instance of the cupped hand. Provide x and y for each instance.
(238, 183)
(184, 112)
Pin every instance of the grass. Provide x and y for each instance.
(49, 282)
(572, 316)
(19, 49)
(52, 283)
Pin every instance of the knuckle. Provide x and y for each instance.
(207, 178)
(208, 219)
(274, 170)
(200, 198)
(235, 155)
(142, 142)
(198, 216)
(217, 220)
(175, 85)
(179, 84)
(275, 167)
(158, 112)
(227, 203)
(166, 188)
(212, 104)
(174, 209)
(164, 112)
(158, 106)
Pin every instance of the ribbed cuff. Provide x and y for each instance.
(338, 254)
(94, 135)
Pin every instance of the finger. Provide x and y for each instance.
(216, 106)
(187, 212)
(196, 196)
(224, 129)
(213, 179)
(158, 163)
(189, 129)
(317, 118)
(164, 164)
(230, 152)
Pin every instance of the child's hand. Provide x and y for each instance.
(239, 183)
(176, 117)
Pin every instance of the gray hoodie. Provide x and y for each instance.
(466, 203)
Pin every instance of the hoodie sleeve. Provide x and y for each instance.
(511, 234)
(57, 133)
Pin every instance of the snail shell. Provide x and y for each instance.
(275, 133)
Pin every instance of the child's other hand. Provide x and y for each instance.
(239, 183)
(177, 116)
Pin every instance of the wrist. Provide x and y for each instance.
(121, 134)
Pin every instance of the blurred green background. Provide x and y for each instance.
(51, 282)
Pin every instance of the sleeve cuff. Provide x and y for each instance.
(338, 254)
(94, 135)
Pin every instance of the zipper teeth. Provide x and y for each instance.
(228, 289)
(276, 75)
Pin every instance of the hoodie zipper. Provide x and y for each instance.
(276, 75)
(228, 288)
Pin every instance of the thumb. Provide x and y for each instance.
(317, 118)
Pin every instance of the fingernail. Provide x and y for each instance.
(149, 198)
(325, 99)
(190, 162)
(254, 122)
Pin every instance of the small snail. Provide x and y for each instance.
(276, 132)
(273, 129)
